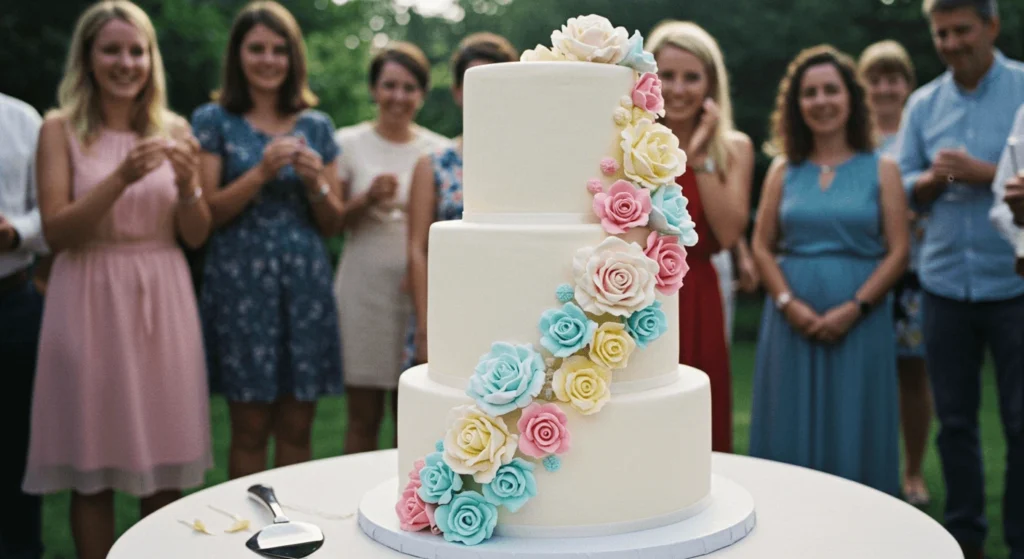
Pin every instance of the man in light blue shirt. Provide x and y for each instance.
(21, 312)
(953, 132)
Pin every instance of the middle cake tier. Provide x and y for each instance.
(491, 282)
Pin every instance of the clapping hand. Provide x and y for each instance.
(277, 154)
(184, 157)
(705, 129)
(383, 187)
(142, 160)
(308, 165)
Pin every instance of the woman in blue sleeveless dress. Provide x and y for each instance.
(831, 240)
(436, 191)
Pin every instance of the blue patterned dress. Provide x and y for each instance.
(829, 407)
(270, 324)
(447, 165)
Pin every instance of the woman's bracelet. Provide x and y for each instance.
(321, 192)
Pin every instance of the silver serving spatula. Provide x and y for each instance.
(283, 538)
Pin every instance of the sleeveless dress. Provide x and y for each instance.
(269, 320)
(830, 407)
(373, 305)
(702, 342)
(120, 398)
(447, 164)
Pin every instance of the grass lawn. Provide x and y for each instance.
(330, 426)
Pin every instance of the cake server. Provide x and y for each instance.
(284, 538)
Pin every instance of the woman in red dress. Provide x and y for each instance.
(717, 184)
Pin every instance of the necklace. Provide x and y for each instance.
(826, 169)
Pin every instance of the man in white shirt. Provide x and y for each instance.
(1007, 214)
(21, 309)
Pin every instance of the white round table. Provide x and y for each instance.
(800, 513)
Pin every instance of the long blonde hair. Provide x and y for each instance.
(78, 94)
(695, 40)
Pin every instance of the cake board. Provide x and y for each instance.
(728, 517)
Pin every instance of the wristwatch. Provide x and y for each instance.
(783, 299)
(321, 192)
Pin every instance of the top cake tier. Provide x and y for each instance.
(535, 134)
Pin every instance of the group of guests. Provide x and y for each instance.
(884, 238)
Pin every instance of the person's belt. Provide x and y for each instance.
(14, 281)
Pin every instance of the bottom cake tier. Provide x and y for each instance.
(643, 462)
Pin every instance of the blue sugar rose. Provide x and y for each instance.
(566, 330)
(636, 58)
(468, 518)
(647, 324)
(506, 378)
(512, 486)
(669, 215)
(439, 482)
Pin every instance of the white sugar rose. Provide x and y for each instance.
(651, 154)
(591, 38)
(542, 54)
(615, 277)
(477, 444)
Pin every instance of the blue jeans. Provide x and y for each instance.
(21, 312)
(956, 335)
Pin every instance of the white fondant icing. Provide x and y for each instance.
(646, 456)
(491, 282)
(729, 518)
(536, 132)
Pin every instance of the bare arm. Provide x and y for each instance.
(726, 197)
(192, 217)
(226, 203)
(69, 223)
(328, 210)
(422, 204)
(896, 231)
(765, 235)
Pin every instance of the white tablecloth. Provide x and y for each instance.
(800, 514)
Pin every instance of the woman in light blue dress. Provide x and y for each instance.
(830, 241)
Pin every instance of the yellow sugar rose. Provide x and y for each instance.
(477, 444)
(611, 345)
(651, 154)
(585, 385)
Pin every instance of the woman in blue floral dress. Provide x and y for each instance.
(269, 172)
(436, 190)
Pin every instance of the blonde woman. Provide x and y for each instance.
(888, 74)
(120, 400)
(720, 163)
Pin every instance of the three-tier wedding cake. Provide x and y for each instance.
(553, 406)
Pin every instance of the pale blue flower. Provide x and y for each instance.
(506, 378)
(512, 486)
(439, 482)
(647, 324)
(637, 58)
(468, 518)
(566, 330)
(669, 215)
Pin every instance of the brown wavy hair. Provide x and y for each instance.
(406, 55)
(790, 135)
(294, 95)
(480, 46)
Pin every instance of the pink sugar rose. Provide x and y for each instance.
(623, 207)
(647, 94)
(671, 259)
(414, 475)
(412, 511)
(609, 166)
(543, 430)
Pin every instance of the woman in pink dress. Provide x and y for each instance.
(121, 401)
